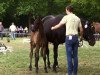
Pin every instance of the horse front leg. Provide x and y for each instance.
(47, 53)
(31, 55)
(36, 58)
(44, 58)
(55, 57)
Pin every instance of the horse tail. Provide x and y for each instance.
(43, 50)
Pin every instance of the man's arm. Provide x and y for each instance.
(81, 31)
(61, 23)
(56, 26)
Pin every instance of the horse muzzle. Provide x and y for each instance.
(91, 42)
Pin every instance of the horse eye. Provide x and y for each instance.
(92, 27)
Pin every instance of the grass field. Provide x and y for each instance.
(17, 62)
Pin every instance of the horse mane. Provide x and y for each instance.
(38, 26)
(41, 30)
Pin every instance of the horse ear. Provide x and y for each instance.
(38, 17)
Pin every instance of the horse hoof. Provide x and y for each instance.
(36, 71)
(55, 70)
(57, 66)
(30, 68)
(46, 71)
(49, 67)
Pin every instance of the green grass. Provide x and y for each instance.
(17, 62)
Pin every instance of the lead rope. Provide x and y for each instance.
(80, 43)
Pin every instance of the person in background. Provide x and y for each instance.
(13, 29)
(21, 31)
(1, 30)
(17, 31)
(26, 31)
(72, 23)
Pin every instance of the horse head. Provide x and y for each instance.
(88, 33)
(37, 24)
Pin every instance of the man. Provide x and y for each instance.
(13, 29)
(72, 23)
(1, 30)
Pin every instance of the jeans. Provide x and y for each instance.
(1, 35)
(12, 35)
(72, 54)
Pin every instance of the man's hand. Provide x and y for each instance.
(80, 42)
(56, 26)
(52, 28)
(81, 39)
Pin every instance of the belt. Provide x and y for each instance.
(72, 35)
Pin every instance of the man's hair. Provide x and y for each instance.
(69, 8)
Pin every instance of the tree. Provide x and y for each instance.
(2, 10)
(14, 10)
(32, 8)
(57, 6)
(89, 9)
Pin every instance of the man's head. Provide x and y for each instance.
(0, 23)
(12, 23)
(69, 9)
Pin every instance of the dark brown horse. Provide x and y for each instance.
(38, 40)
(58, 36)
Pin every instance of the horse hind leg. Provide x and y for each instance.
(44, 58)
(31, 55)
(36, 58)
(47, 53)
(55, 57)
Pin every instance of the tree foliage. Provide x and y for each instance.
(89, 9)
(34, 7)
(15, 9)
(2, 10)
